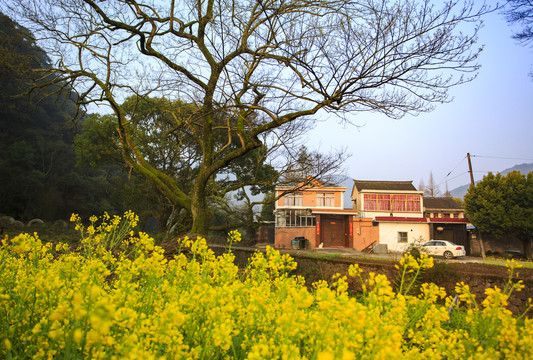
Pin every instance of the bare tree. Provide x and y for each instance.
(520, 12)
(432, 189)
(421, 185)
(280, 60)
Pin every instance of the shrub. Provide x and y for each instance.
(125, 299)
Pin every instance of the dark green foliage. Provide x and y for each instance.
(163, 133)
(38, 176)
(503, 206)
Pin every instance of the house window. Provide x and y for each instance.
(396, 203)
(325, 199)
(446, 215)
(402, 236)
(294, 199)
(371, 202)
(413, 203)
(384, 202)
(295, 218)
(406, 203)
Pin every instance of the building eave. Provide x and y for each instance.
(448, 220)
(401, 219)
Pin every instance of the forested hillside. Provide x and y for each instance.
(38, 175)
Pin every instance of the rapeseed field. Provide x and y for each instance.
(117, 296)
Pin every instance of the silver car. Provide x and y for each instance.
(443, 248)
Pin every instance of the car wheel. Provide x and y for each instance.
(448, 255)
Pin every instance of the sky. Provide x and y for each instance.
(491, 118)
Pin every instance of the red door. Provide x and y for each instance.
(333, 231)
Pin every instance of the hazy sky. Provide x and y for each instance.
(491, 116)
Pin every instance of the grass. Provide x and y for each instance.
(46, 232)
(320, 256)
(503, 262)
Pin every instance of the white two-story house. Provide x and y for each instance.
(395, 210)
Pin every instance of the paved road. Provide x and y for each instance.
(360, 254)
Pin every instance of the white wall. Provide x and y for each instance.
(388, 234)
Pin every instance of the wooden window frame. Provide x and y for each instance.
(293, 199)
(403, 235)
(322, 199)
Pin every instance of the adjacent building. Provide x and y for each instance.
(446, 220)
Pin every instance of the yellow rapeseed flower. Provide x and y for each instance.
(325, 355)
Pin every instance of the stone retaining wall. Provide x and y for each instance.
(478, 276)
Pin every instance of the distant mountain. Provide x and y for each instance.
(347, 182)
(461, 191)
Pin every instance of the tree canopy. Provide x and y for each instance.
(503, 206)
(174, 151)
(265, 65)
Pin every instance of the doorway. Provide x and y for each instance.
(333, 231)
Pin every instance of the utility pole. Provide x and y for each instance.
(472, 183)
(470, 169)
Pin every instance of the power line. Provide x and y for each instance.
(500, 157)
(459, 163)
(455, 177)
(443, 180)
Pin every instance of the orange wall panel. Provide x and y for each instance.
(284, 235)
(364, 233)
(309, 198)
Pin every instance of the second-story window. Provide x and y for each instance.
(325, 199)
(379, 202)
(406, 203)
(396, 203)
(294, 199)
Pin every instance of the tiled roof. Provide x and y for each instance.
(384, 185)
(443, 203)
(309, 182)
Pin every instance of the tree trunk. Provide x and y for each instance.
(481, 245)
(200, 211)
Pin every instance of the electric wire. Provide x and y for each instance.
(445, 179)
(500, 157)
(455, 177)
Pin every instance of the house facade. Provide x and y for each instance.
(394, 208)
(393, 214)
(446, 219)
(315, 212)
